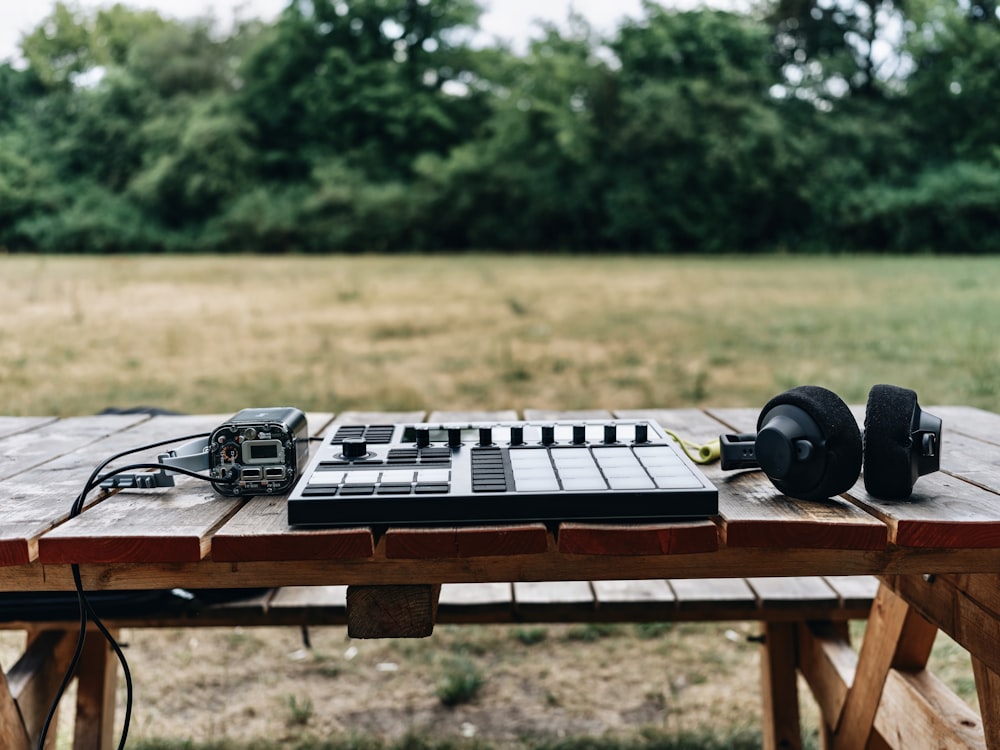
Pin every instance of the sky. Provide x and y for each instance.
(508, 19)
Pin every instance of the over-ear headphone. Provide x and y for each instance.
(808, 443)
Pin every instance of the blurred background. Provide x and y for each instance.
(328, 125)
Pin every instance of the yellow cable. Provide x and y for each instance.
(700, 454)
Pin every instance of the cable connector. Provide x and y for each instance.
(142, 481)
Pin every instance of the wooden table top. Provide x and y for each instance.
(189, 536)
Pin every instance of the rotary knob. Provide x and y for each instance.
(353, 448)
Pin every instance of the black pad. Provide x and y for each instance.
(889, 470)
(841, 450)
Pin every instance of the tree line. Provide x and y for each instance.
(389, 125)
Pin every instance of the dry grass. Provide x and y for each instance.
(213, 334)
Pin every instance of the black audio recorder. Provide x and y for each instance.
(426, 474)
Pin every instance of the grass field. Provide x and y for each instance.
(214, 334)
(217, 334)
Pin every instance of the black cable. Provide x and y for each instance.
(87, 611)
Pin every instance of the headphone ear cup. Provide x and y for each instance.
(840, 451)
(888, 470)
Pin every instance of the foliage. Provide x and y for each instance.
(383, 126)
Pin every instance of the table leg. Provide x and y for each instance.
(95, 696)
(779, 689)
(988, 688)
(896, 637)
(11, 727)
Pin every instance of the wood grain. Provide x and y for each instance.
(41, 497)
(754, 514)
(683, 537)
(780, 727)
(406, 611)
(259, 530)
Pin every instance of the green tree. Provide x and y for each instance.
(532, 174)
(372, 82)
(828, 49)
(702, 157)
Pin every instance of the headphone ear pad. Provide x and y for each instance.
(841, 446)
(888, 470)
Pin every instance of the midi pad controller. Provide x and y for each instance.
(427, 474)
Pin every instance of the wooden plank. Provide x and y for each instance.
(259, 531)
(966, 607)
(915, 710)
(11, 727)
(896, 636)
(163, 525)
(794, 593)
(553, 601)
(918, 710)
(682, 537)
(988, 692)
(958, 508)
(654, 591)
(39, 499)
(754, 514)
(634, 601)
(466, 541)
(854, 592)
(476, 602)
(129, 527)
(780, 727)
(95, 696)
(476, 594)
(403, 611)
(968, 420)
(714, 598)
(827, 662)
(34, 680)
(55, 439)
(328, 600)
(20, 425)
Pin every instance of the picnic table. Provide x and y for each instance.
(936, 557)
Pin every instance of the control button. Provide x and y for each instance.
(320, 490)
(357, 489)
(610, 433)
(548, 434)
(517, 435)
(486, 436)
(423, 437)
(354, 448)
(394, 489)
(454, 437)
(579, 434)
(432, 488)
(641, 433)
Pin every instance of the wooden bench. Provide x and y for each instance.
(776, 602)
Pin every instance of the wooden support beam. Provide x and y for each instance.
(11, 727)
(896, 636)
(34, 680)
(403, 611)
(988, 689)
(95, 696)
(915, 709)
(779, 688)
